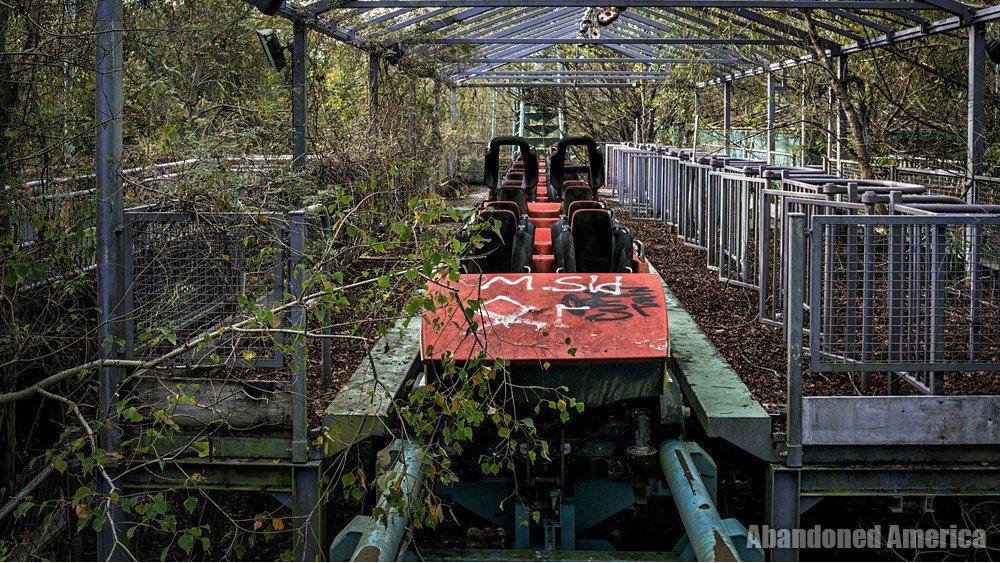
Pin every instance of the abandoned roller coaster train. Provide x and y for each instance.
(568, 301)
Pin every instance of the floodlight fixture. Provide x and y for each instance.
(993, 50)
(268, 7)
(272, 48)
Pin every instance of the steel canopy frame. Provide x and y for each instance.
(719, 39)
(508, 44)
(980, 16)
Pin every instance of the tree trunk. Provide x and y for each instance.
(857, 144)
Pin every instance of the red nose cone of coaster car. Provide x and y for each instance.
(549, 317)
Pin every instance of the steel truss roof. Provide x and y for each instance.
(518, 44)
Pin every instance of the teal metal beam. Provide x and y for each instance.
(706, 532)
(382, 539)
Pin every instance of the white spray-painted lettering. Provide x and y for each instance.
(567, 284)
(525, 279)
(515, 317)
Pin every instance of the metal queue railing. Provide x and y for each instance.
(913, 296)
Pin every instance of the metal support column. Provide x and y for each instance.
(373, 62)
(841, 117)
(803, 133)
(727, 108)
(110, 203)
(308, 512)
(783, 506)
(772, 94)
(454, 105)
(437, 109)
(829, 130)
(976, 144)
(794, 313)
(493, 119)
(413, 121)
(697, 123)
(297, 320)
(299, 108)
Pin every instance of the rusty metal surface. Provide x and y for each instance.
(549, 317)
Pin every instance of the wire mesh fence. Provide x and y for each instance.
(52, 220)
(912, 299)
(892, 294)
(739, 209)
(188, 274)
(640, 179)
(983, 190)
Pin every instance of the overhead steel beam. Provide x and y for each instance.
(550, 19)
(630, 50)
(577, 76)
(601, 41)
(857, 18)
(680, 16)
(488, 21)
(633, 49)
(822, 24)
(773, 4)
(904, 14)
(319, 7)
(530, 28)
(953, 6)
(506, 21)
(782, 27)
(525, 50)
(373, 21)
(638, 18)
(569, 73)
(293, 13)
(606, 60)
(443, 23)
(982, 15)
(547, 85)
(412, 21)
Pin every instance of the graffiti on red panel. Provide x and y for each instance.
(529, 301)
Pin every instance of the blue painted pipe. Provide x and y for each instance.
(708, 536)
(381, 541)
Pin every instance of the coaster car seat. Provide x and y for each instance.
(506, 248)
(526, 162)
(559, 171)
